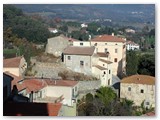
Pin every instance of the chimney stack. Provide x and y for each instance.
(55, 82)
(112, 34)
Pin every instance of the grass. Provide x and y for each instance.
(9, 51)
(149, 52)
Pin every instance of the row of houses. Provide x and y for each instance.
(101, 57)
(64, 93)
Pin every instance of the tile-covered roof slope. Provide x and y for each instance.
(35, 84)
(12, 62)
(68, 83)
(107, 38)
(31, 109)
(105, 61)
(139, 79)
(74, 50)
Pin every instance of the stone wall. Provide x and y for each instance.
(88, 87)
(48, 70)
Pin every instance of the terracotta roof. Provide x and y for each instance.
(72, 50)
(139, 79)
(106, 61)
(61, 82)
(100, 67)
(102, 54)
(38, 84)
(107, 38)
(31, 109)
(12, 62)
(34, 85)
(149, 114)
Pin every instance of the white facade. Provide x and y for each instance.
(117, 54)
(90, 65)
(81, 43)
(79, 63)
(132, 46)
(84, 25)
(69, 93)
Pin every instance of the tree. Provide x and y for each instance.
(132, 63)
(24, 26)
(146, 65)
(106, 95)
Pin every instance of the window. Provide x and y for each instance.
(142, 91)
(109, 71)
(147, 103)
(72, 92)
(115, 59)
(124, 46)
(105, 50)
(95, 44)
(109, 82)
(81, 44)
(104, 72)
(105, 43)
(75, 88)
(40, 94)
(81, 63)
(116, 50)
(69, 57)
(103, 64)
(129, 88)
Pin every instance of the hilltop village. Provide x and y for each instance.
(54, 66)
(77, 69)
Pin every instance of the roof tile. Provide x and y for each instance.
(72, 50)
(107, 38)
(139, 79)
(12, 62)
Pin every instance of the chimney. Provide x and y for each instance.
(138, 78)
(112, 34)
(31, 97)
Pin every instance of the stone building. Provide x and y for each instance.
(109, 47)
(85, 60)
(139, 88)
(56, 45)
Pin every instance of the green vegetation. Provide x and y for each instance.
(146, 65)
(23, 26)
(9, 51)
(132, 62)
(106, 103)
(140, 62)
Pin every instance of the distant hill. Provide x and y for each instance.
(116, 12)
